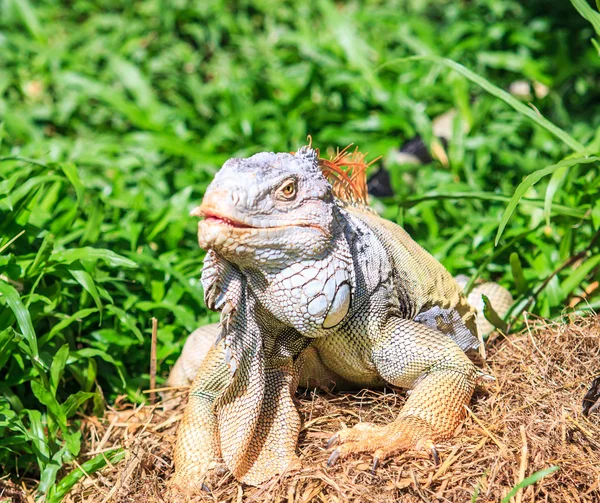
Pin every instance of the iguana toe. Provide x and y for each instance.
(194, 482)
(382, 441)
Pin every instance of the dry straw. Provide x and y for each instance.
(527, 420)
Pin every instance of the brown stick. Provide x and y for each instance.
(523, 465)
(153, 361)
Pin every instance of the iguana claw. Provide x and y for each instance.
(383, 441)
(375, 463)
(333, 458)
(333, 441)
(436, 456)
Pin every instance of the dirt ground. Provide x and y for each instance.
(528, 419)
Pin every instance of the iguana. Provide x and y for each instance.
(316, 289)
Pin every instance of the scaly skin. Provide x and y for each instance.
(322, 292)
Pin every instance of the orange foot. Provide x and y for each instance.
(195, 482)
(404, 434)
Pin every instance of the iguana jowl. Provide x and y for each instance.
(318, 290)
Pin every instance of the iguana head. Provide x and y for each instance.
(267, 208)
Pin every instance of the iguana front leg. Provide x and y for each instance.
(197, 449)
(412, 355)
(241, 409)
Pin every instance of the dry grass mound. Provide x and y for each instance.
(527, 420)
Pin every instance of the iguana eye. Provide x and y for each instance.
(287, 191)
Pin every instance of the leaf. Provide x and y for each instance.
(29, 19)
(492, 316)
(70, 170)
(486, 196)
(88, 253)
(588, 13)
(41, 257)
(510, 100)
(579, 274)
(517, 272)
(85, 280)
(134, 81)
(91, 352)
(26, 188)
(37, 437)
(14, 401)
(58, 414)
(58, 367)
(532, 479)
(48, 475)
(62, 324)
(115, 99)
(596, 215)
(7, 343)
(73, 402)
(531, 180)
(13, 300)
(73, 441)
(127, 320)
(6, 186)
(86, 469)
(554, 292)
(554, 184)
(47, 398)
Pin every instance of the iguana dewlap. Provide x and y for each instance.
(315, 288)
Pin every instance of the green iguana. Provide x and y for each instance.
(315, 289)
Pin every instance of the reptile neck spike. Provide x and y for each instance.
(347, 173)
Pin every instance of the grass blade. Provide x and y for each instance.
(499, 93)
(85, 280)
(87, 253)
(588, 13)
(88, 468)
(531, 180)
(556, 181)
(517, 272)
(29, 19)
(492, 316)
(489, 196)
(13, 300)
(532, 479)
(579, 274)
(70, 171)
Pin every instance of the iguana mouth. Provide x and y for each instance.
(213, 218)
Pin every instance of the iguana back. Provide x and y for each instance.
(429, 293)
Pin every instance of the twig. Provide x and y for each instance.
(523, 465)
(166, 388)
(153, 361)
(502, 447)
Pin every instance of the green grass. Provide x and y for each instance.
(115, 116)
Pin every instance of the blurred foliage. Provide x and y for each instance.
(115, 116)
